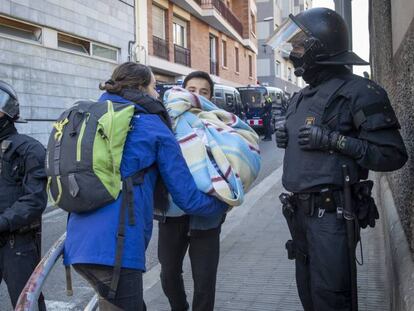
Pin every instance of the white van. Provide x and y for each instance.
(228, 98)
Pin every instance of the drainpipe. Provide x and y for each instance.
(139, 45)
(344, 8)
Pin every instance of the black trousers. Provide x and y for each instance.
(129, 295)
(267, 126)
(204, 250)
(322, 263)
(19, 256)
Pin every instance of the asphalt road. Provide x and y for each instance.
(54, 224)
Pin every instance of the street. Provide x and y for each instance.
(54, 226)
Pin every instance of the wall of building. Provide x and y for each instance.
(393, 68)
(266, 59)
(49, 79)
(198, 33)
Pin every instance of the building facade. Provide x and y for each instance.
(215, 36)
(57, 52)
(273, 66)
(391, 27)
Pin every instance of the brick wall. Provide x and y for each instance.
(395, 72)
(200, 45)
(242, 11)
(49, 80)
(200, 56)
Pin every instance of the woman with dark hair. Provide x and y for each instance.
(150, 147)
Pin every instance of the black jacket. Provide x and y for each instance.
(354, 106)
(23, 195)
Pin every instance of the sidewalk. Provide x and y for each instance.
(254, 272)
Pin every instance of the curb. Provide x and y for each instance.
(398, 259)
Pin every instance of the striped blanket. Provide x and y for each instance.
(221, 151)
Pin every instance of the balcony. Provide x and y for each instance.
(160, 47)
(224, 11)
(182, 55)
(213, 67)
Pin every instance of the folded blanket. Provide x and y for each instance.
(221, 151)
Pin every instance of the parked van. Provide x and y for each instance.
(228, 98)
(253, 99)
(163, 87)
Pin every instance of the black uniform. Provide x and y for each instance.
(357, 109)
(266, 115)
(336, 129)
(22, 200)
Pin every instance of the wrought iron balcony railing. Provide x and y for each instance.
(224, 10)
(182, 55)
(160, 47)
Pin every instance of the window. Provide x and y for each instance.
(250, 66)
(218, 93)
(104, 52)
(74, 44)
(236, 52)
(213, 55)
(86, 47)
(158, 22)
(224, 53)
(277, 69)
(180, 32)
(11, 27)
(253, 23)
(289, 74)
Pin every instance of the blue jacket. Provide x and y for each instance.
(91, 237)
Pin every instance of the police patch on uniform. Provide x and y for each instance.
(310, 121)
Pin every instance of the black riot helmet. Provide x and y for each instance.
(9, 103)
(318, 36)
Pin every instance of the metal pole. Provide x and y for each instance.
(28, 298)
(344, 8)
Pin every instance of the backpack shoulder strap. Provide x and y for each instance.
(127, 203)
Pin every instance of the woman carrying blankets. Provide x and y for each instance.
(222, 154)
(152, 149)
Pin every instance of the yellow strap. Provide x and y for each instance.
(49, 192)
(59, 126)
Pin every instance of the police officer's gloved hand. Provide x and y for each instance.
(313, 137)
(367, 213)
(281, 136)
(4, 225)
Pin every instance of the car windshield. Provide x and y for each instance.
(252, 97)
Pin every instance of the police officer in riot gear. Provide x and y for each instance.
(22, 198)
(338, 119)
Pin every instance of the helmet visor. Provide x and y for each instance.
(4, 99)
(288, 37)
(8, 105)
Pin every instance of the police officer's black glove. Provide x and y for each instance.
(367, 213)
(281, 137)
(366, 208)
(4, 225)
(312, 137)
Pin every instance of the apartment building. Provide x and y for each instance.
(273, 66)
(57, 52)
(215, 36)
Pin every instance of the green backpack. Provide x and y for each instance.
(84, 155)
